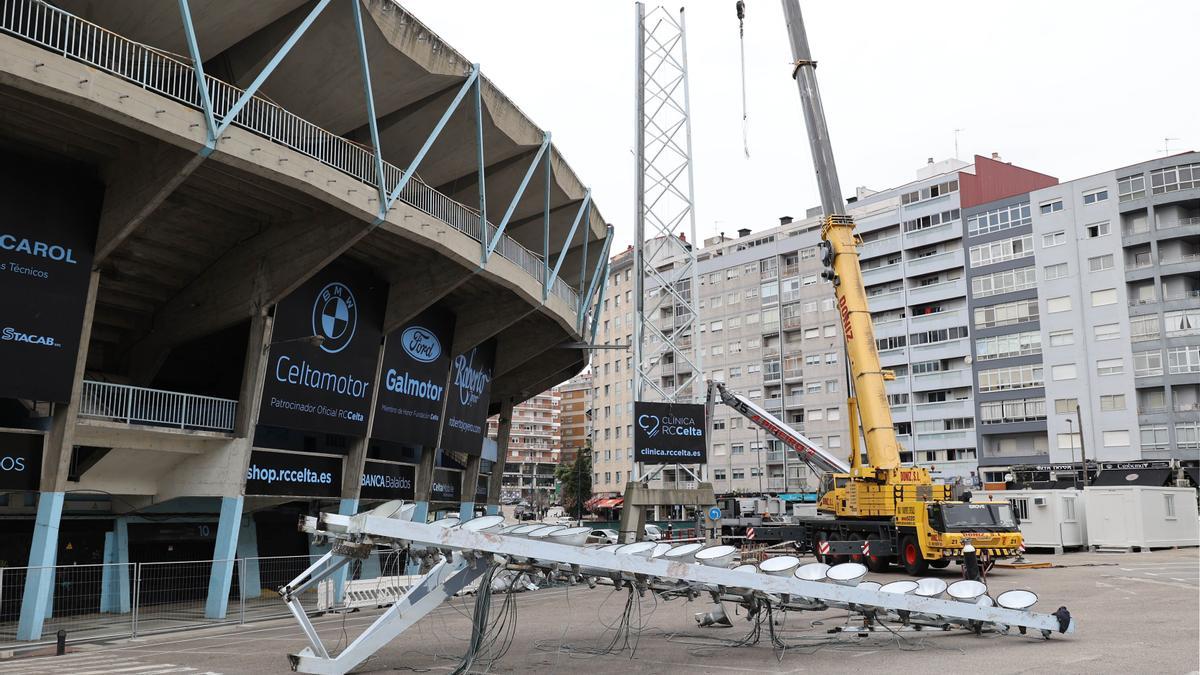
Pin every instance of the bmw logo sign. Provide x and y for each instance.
(334, 317)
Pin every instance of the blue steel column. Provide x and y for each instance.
(220, 580)
(42, 557)
(512, 206)
(189, 32)
(482, 180)
(114, 584)
(249, 580)
(370, 96)
(552, 276)
(546, 283)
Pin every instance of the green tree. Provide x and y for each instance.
(576, 481)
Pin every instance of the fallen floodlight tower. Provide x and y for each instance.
(458, 556)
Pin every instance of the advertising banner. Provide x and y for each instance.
(470, 392)
(289, 474)
(324, 349)
(669, 433)
(46, 245)
(413, 380)
(20, 461)
(381, 480)
(447, 485)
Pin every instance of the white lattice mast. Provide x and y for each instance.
(666, 344)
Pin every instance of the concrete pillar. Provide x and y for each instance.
(247, 551)
(503, 433)
(115, 595)
(470, 483)
(35, 603)
(60, 440)
(220, 579)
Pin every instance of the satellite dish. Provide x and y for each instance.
(967, 590)
(930, 587)
(716, 556)
(572, 536)
(660, 550)
(545, 531)
(846, 574)
(683, 553)
(641, 549)
(780, 566)
(903, 587)
(483, 523)
(1020, 599)
(812, 572)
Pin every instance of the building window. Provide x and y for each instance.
(996, 220)
(1097, 230)
(1052, 239)
(1110, 367)
(1095, 197)
(930, 192)
(1172, 178)
(1155, 436)
(1100, 263)
(737, 448)
(1183, 360)
(1050, 207)
(1107, 331)
(1146, 364)
(1002, 250)
(1062, 338)
(1018, 279)
(1020, 508)
(1069, 441)
(1015, 410)
(1169, 506)
(1058, 305)
(1056, 271)
(1104, 297)
(739, 474)
(1006, 314)
(1187, 435)
(1015, 377)
(1004, 346)
(1065, 406)
(1112, 402)
(1145, 328)
(1131, 187)
(1065, 371)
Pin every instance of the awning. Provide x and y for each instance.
(611, 502)
(591, 503)
(1193, 474)
(1145, 477)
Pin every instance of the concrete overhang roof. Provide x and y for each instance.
(415, 75)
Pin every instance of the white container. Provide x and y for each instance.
(1054, 519)
(1135, 516)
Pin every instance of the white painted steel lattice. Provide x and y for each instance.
(666, 343)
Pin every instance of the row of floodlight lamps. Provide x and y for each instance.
(724, 556)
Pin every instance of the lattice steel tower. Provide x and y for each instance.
(667, 338)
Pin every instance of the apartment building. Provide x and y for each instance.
(1092, 341)
(575, 416)
(612, 381)
(534, 449)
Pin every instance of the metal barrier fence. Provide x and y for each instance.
(139, 405)
(172, 76)
(106, 601)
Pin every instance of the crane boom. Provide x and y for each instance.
(840, 257)
(812, 454)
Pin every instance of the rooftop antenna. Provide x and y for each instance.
(741, 15)
(956, 132)
(1167, 144)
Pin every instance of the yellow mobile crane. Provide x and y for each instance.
(897, 510)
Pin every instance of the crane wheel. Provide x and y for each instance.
(914, 563)
(939, 563)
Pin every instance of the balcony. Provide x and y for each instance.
(947, 319)
(123, 404)
(932, 235)
(946, 349)
(878, 275)
(793, 374)
(942, 440)
(944, 379)
(943, 409)
(955, 288)
(885, 301)
(934, 263)
(879, 247)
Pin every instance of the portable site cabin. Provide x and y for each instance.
(1054, 519)
(1143, 517)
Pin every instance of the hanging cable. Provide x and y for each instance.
(741, 15)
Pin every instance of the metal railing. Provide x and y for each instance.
(100, 602)
(138, 405)
(173, 76)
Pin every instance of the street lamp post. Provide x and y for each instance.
(1071, 440)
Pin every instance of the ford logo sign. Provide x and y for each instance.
(421, 344)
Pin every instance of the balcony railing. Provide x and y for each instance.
(173, 77)
(1194, 220)
(155, 407)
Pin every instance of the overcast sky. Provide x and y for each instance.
(1065, 88)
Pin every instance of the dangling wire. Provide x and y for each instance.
(741, 15)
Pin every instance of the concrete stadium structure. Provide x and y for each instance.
(197, 213)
